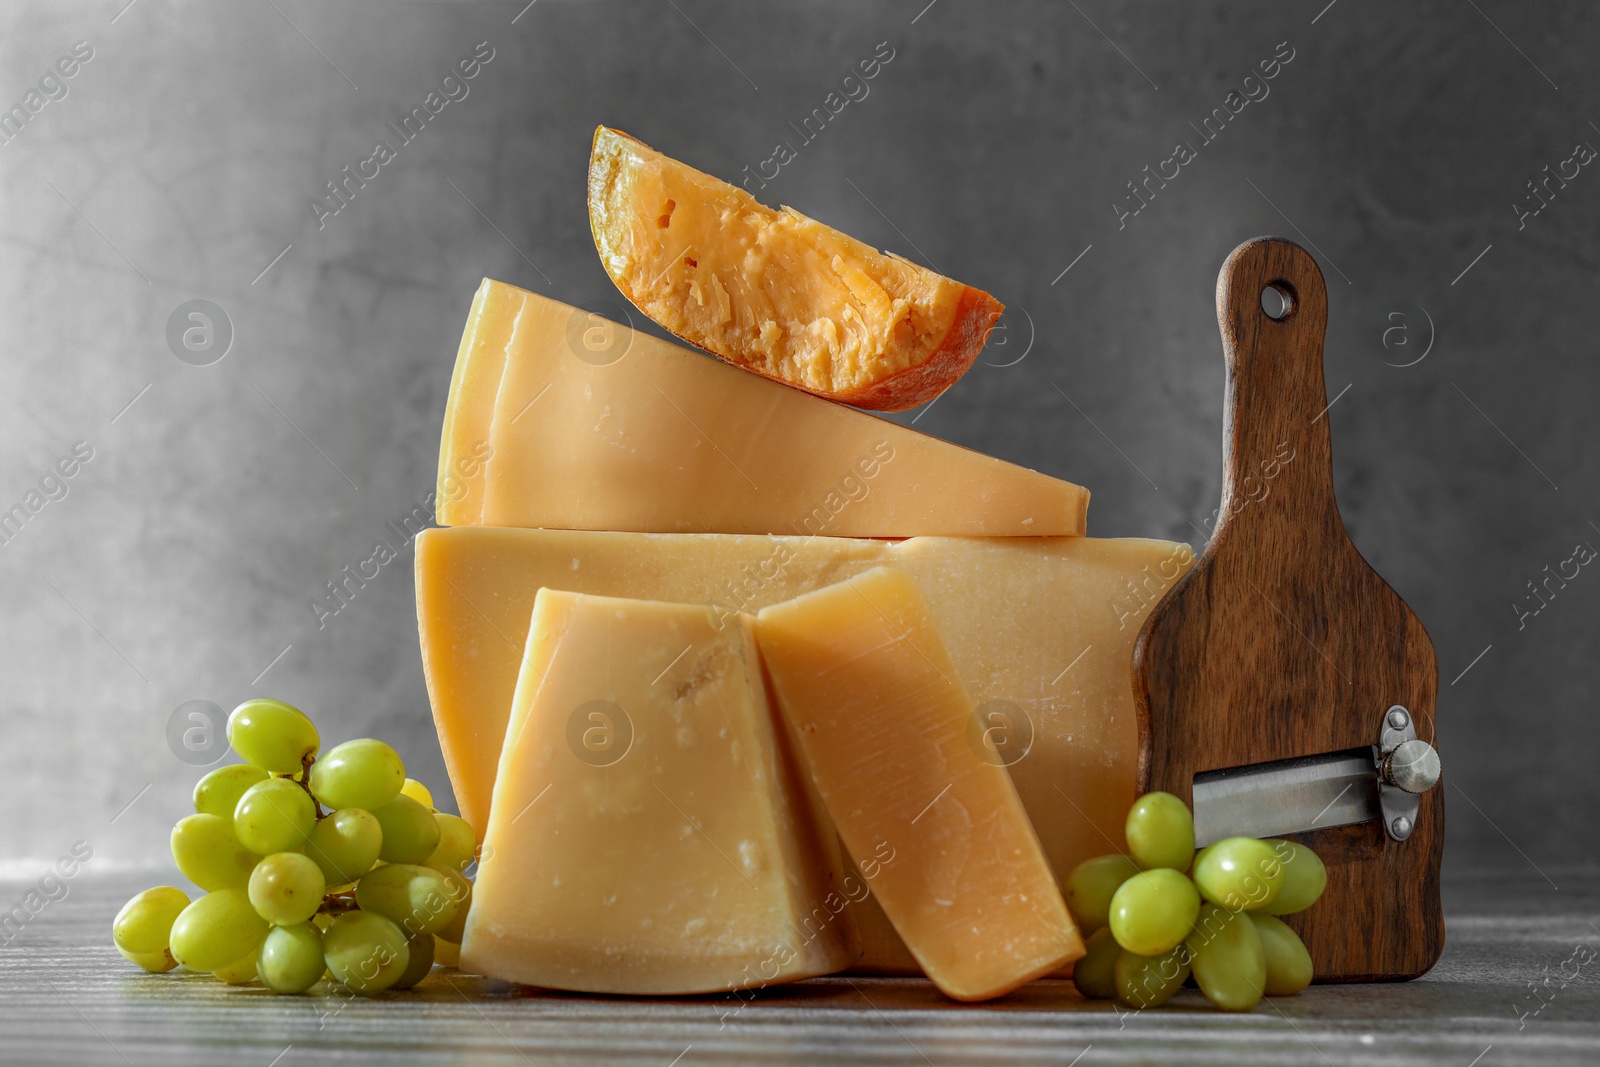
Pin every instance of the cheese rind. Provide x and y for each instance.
(588, 425)
(882, 717)
(774, 291)
(1041, 630)
(650, 834)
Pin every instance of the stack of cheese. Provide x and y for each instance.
(736, 684)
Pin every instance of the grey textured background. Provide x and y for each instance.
(182, 159)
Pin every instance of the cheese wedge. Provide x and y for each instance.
(650, 834)
(1041, 630)
(560, 419)
(882, 950)
(882, 719)
(774, 291)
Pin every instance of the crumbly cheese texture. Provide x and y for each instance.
(883, 725)
(773, 290)
(1040, 629)
(562, 420)
(650, 832)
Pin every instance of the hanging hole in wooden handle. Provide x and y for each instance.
(1277, 300)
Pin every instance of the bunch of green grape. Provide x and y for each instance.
(337, 865)
(1167, 913)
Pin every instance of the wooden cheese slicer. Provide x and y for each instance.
(1283, 688)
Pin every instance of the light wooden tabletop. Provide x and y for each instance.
(1519, 983)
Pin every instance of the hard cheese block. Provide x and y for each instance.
(1041, 629)
(560, 419)
(650, 834)
(882, 719)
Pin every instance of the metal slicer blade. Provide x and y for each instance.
(1286, 796)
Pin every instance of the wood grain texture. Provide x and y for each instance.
(67, 998)
(1283, 641)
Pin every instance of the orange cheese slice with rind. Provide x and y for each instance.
(776, 292)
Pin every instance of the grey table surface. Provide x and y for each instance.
(1518, 983)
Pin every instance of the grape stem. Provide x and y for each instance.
(338, 903)
(304, 782)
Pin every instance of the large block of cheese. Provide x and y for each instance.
(650, 833)
(560, 419)
(1041, 629)
(883, 726)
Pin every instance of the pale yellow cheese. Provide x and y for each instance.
(1041, 630)
(650, 833)
(883, 723)
(562, 420)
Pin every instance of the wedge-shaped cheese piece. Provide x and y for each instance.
(882, 949)
(1041, 629)
(650, 834)
(774, 291)
(559, 419)
(883, 722)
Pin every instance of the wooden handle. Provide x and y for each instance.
(1275, 407)
(1283, 642)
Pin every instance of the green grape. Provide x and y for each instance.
(419, 961)
(365, 951)
(1240, 873)
(1288, 962)
(242, 971)
(1304, 878)
(1230, 965)
(1160, 832)
(410, 832)
(1150, 981)
(1093, 973)
(418, 792)
(210, 854)
(272, 735)
(274, 816)
(1091, 885)
(420, 899)
(461, 892)
(358, 774)
(158, 962)
(1151, 913)
(218, 792)
(446, 953)
(457, 843)
(286, 888)
(345, 845)
(144, 925)
(217, 930)
(291, 958)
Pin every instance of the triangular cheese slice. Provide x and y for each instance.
(560, 419)
(650, 834)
